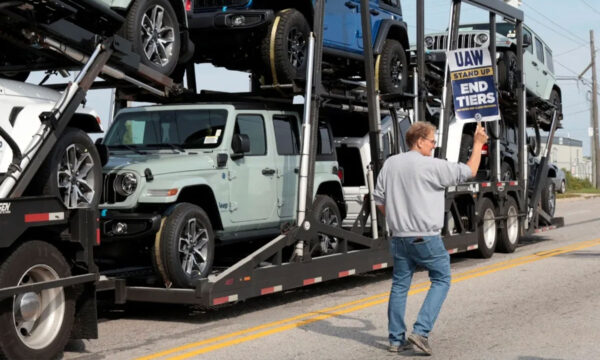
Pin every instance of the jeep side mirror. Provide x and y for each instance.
(527, 41)
(240, 144)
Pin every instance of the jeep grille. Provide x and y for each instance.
(440, 42)
(109, 195)
(205, 4)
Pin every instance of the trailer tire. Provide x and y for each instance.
(392, 68)
(187, 237)
(548, 198)
(487, 234)
(287, 36)
(143, 32)
(326, 212)
(511, 231)
(57, 175)
(41, 326)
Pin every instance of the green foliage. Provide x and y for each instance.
(578, 185)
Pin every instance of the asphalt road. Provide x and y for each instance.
(540, 302)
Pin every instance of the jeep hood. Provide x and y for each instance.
(159, 164)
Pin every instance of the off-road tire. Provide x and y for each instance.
(171, 257)
(556, 101)
(392, 68)
(278, 43)
(507, 72)
(36, 261)
(506, 172)
(326, 211)
(466, 147)
(510, 233)
(16, 76)
(487, 229)
(548, 198)
(132, 30)
(46, 181)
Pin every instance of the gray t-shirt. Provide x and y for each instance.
(412, 188)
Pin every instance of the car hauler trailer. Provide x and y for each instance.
(47, 270)
(270, 268)
(475, 207)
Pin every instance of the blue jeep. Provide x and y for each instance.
(269, 38)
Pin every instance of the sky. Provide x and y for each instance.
(564, 26)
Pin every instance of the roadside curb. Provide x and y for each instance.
(579, 197)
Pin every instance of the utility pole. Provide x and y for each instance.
(594, 119)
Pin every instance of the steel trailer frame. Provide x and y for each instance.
(265, 271)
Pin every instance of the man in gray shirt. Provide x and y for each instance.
(410, 192)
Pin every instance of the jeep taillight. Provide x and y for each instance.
(484, 149)
(340, 174)
(188, 5)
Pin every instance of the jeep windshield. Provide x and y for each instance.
(169, 129)
(503, 29)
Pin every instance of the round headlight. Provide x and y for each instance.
(429, 42)
(482, 38)
(126, 183)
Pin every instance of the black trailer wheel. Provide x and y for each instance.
(392, 68)
(284, 48)
(187, 245)
(507, 72)
(35, 325)
(327, 212)
(153, 30)
(487, 229)
(72, 171)
(511, 231)
(506, 172)
(548, 198)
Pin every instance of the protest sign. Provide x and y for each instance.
(473, 87)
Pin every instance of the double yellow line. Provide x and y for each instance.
(226, 340)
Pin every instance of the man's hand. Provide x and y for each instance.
(480, 136)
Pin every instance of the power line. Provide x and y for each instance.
(570, 51)
(555, 31)
(578, 112)
(591, 7)
(557, 24)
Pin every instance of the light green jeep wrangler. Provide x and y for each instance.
(184, 178)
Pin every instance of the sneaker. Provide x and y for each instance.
(420, 342)
(399, 348)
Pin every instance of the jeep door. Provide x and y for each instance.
(530, 65)
(341, 23)
(252, 177)
(538, 63)
(287, 138)
(548, 73)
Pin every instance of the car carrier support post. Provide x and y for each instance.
(420, 89)
(495, 148)
(372, 97)
(521, 101)
(447, 92)
(533, 211)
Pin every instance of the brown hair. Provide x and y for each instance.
(420, 129)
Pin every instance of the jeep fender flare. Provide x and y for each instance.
(331, 186)
(393, 29)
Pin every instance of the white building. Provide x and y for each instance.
(567, 154)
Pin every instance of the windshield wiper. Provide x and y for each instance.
(175, 147)
(129, 147)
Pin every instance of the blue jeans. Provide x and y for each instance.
(408, 252)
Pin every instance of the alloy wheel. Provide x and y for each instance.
(76, 177)
(158, 35)
(193, 248)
